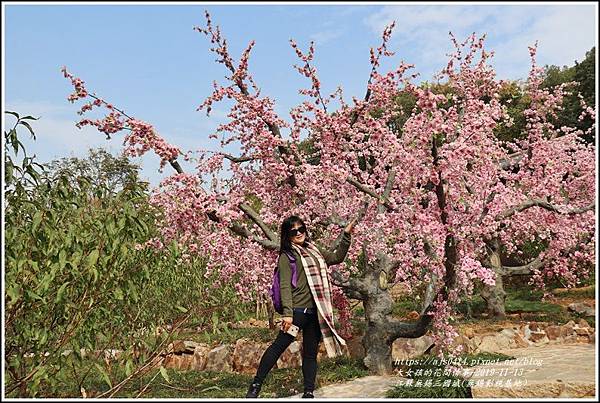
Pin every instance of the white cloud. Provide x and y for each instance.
(56, 134)
(326, 36)
(565, 33)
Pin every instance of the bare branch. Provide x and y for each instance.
(543, 204)
(254, 216)
(525, 269)
(511, 160)
(382, 199)
(244, 232)
(486, 209)
(239, 229)
(399, 328)
(351, 284)
(386, 192)
(538, 263)
(237, 159)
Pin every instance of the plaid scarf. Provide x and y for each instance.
(316, 275)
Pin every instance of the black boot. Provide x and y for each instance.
(253, 390)
(308, 395)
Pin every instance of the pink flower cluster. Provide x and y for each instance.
(446, 145)
(141, 137)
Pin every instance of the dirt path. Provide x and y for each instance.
(538, 372)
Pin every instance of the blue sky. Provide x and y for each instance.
(147, 60)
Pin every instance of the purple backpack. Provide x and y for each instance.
(276, 287)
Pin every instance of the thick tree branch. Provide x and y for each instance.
(402, 329)
(398, 328)
(382, 199)
(237, 159)
(176, 166)
(486, 208)
(239, 229)
(254, 216)
(352, 285)
(538, 263)
(387, 190)
(525, 269)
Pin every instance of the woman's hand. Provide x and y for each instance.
(286, 323)
(350, 226)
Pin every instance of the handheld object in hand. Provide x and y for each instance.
(293, 330)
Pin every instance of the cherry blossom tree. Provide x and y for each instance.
(435, 198)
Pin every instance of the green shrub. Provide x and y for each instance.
(74, 278)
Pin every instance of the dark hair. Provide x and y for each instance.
(286, 227)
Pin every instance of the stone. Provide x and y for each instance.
(567, 330)
(397, 290)
(553, 332)
(520, 341)
(461, 340)
(187, 362)
(583, 323)
(355, 347)
(570, 339)
(403, 349)
(247, 355)
(322, 352)
(509, 332)
(176, 361)
(582, 308)
(413, 315)
(495, 342)
(592, 338)
(184, 346)
(200, 357)
(292, 356)
(510, 335)
(581, 331)
(220, 359)
(538, 336)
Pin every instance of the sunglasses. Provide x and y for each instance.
(296, 231)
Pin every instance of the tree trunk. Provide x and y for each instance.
(378, 351)
(494, 295)
(377, 338)
(271, 311)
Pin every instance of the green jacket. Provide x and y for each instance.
(301, 296)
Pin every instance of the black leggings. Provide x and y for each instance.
(311, 336)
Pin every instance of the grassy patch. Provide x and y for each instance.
(471, 307)
(208, 384)
(403, 306)
(519, 300)
(431, 379)
(582, 292)
(340, 369)
(521, 305)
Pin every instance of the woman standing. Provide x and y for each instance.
(307, 305)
